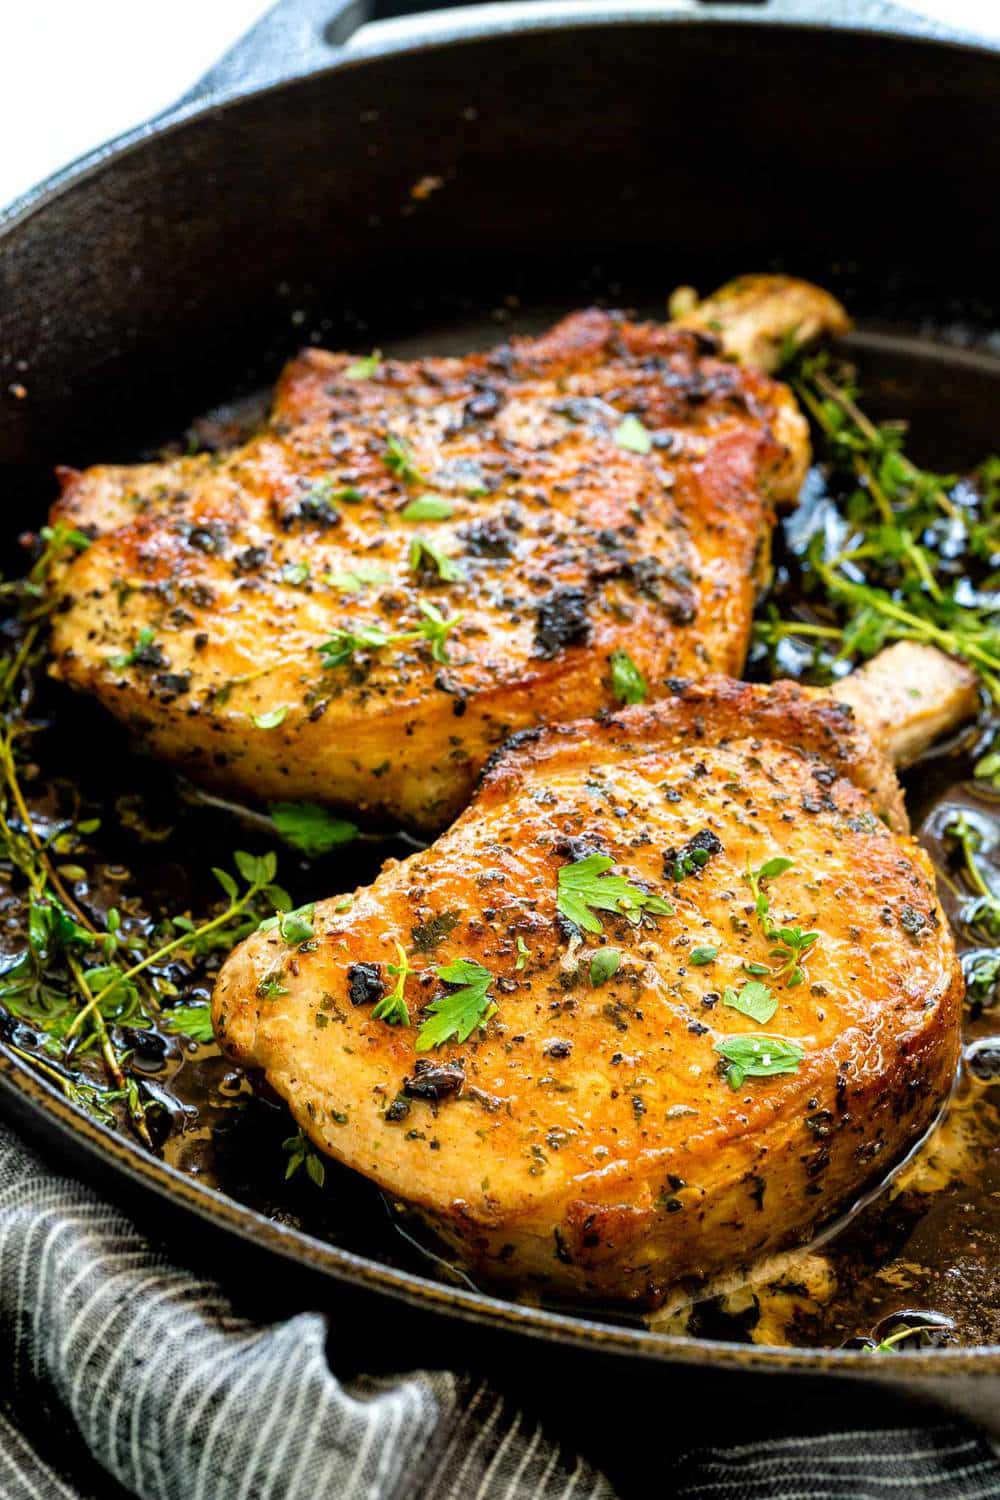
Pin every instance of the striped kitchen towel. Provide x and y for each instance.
(115, 1362)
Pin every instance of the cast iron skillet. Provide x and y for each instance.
(571, 151)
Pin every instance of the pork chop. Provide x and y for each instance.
(414, 560)
(672, 990)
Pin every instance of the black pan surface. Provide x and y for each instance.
(180, 266)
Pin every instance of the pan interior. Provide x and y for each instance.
(924, 1250)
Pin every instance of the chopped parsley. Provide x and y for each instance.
(435, 629)
(366, 367)
(399, 459)
(523, 953)
(982, 910)
(905, 554)
(457, 1013)
(301, 1152)
(758, 1057)
(354, 580)
(631, 435)
(311, 828)
(692, 857)
(604, 965)
(703, 954)
(428, 508)
(627, 682)
(754, 1000)
(143, 641)
(295, 926)
(791, 944)
(585, 887)
(343, 644)
(271, 718)
(392, 1008)
(295, 574)
(271, 986)
(194, 1021)
(424, 553)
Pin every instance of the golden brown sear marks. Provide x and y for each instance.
(588, 1136)
(476, 538)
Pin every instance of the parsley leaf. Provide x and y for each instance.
(399, 459)
(143, 642)
(627, 681)
(423, 552)
(703, 954)
(343, 644)
(272, 718)
(631, 434)
(791, 944)
(295, 926)
(194, 1021)
(295, 574)
(355, 580)
(311, 828)
(428, 508)
(435, 629)
(301, 1152)
(604, 965)
(392, 1008)
(366, 367)
(585, 884)
(758, 1057)
(754, 1000)
(457, 1013)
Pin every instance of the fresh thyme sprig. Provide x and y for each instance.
(906, 554)
(982, 910)
(79, 977)
(790, 944)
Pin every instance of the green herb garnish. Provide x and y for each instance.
(311, 828)
(272, 718)
(399, 459)
(523, 953)
(194, 1021)
(758, 1057)
(392, 1008)
(754, 1000)
(909, 555)
(982, 911)
(428, 508)
(358, 577)
(791, 944)
(143, 641)
(301, 1152)
(585, 886)
(366, 367)
(457, 1013)
(295, 926)
(295, 574)
(631, 435)
(604, 965)
(704, 954)
(435, 629)
(423, 552)
(627, 682)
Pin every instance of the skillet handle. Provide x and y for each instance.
(301, 36)
(296, 37)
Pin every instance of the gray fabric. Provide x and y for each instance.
(114, 1358)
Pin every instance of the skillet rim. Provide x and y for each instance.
(40, 1100)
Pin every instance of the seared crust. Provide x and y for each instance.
(571, 548)
(587, 1141)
